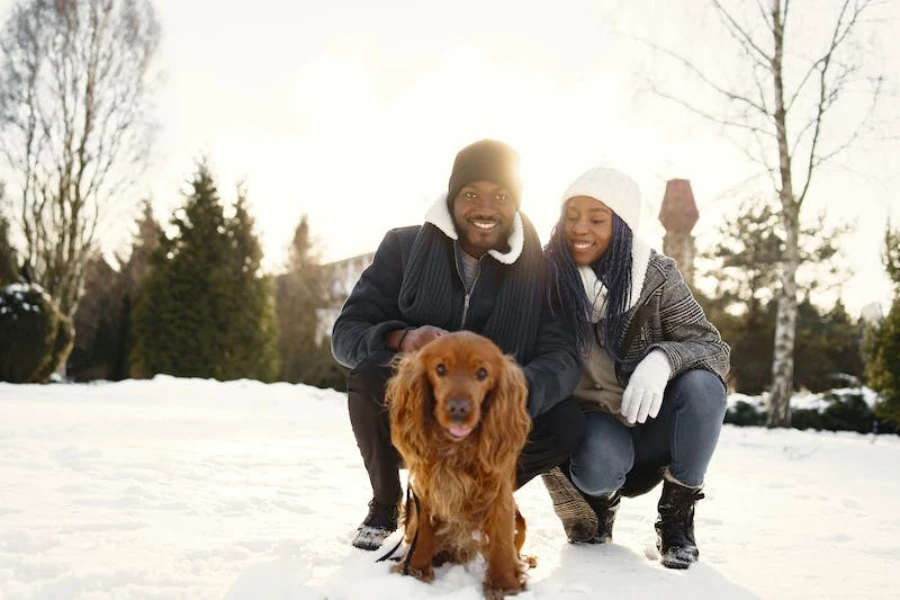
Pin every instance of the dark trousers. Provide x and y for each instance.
(554, 435)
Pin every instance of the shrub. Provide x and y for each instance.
(35, 338)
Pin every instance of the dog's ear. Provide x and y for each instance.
(409, 400)
(506, 422)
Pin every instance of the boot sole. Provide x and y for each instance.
(678, 558)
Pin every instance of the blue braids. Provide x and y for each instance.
(568, 299)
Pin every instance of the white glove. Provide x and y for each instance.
(644, 394)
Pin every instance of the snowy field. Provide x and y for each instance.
(197, 489)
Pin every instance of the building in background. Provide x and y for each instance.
(344, 275)
(871, 314)
(679, 214)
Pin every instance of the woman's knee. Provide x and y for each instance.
(702, 392)
(605, 456)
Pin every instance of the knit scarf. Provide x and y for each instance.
(428, 282)
(596, 291)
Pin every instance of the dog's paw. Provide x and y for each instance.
(498, 593)
(425, 574)
(528, 562)
(496, 588)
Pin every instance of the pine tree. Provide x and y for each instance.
(133, 275)
(746, 271)
(254, 349)
(97, 323)
(8, 267)
(302, 291)
(195, 316)
(828, 350)
(882, 345)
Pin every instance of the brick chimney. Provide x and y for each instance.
(678, 215)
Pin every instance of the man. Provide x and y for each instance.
(475, 264)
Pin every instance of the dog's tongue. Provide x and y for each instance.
(459, 431)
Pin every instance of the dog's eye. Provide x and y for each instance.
(481, 373)
(441, 370)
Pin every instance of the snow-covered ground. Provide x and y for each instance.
(197, 489)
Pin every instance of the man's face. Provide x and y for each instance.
(483, 213)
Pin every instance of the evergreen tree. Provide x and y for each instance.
(745, 261)
(254, 334)
(882, 345)
(194, 317)
(8, 267)
(746, 274)
(133, 275)
(828, 352)
(892, 255)
(97, 321)
(303, 291)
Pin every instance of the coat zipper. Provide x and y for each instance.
(468, 296)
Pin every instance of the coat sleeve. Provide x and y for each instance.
(554, 370)
(690, 340)
(372, 309)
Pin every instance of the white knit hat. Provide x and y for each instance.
(613, 188)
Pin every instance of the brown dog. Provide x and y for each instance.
(459, 420)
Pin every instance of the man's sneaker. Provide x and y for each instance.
(380, 523)
(578, 518)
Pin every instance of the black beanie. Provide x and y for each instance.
(487, 160)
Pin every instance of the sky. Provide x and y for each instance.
(351, 112)
(188, 488)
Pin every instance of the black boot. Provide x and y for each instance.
(675, 525)
(605, 507)
(377, 526)
(578, 518)
(586, 519)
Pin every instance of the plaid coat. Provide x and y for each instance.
(673, 322)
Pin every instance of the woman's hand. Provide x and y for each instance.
(644, 394)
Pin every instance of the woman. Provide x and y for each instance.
(652, 386)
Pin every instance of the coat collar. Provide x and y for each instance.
(439, 216)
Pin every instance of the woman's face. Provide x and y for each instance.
(588, 229)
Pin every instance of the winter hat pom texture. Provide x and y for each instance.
(613, 188)
(486, 160)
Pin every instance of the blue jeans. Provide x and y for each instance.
(683, 436)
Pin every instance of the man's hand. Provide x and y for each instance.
(644, 394)
(418, 337)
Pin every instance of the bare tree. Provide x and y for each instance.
(75, 130)
(782, 103)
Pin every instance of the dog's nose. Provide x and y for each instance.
(459, 409)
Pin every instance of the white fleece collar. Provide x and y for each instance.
(439, 216)
(596, 291)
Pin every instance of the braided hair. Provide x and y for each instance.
(568, 299)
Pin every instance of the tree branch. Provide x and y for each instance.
(741, 35)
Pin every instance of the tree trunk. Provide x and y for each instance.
(786, 321)
(785, 327)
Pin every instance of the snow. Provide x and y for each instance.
(809, 400)
(16, 291)
(181, 488)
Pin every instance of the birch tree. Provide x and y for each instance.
(75, 81)
(785, 109)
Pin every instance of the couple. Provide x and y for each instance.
(625, 374)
